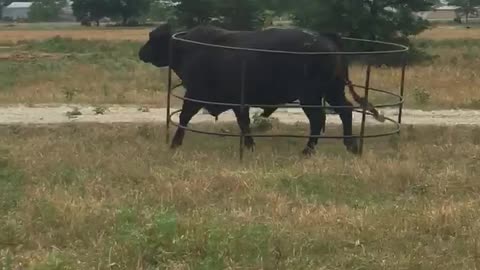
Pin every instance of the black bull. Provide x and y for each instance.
(214, 75)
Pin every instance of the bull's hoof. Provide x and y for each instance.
(353, 146)
(250, 144)
(308, 151)
(175, 144)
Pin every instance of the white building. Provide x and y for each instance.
(19, 11)
(16, 11)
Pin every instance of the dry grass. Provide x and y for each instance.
(450, 32)
(444, 85)
(14, 36)
(100, 72)
(115, 197)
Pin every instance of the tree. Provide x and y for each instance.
(371, 19)
(91, 10)
(467, 7)
(46, 10)
(231, 14)
(161, 10)
(239, 14)
(127, 9)
(194, 12)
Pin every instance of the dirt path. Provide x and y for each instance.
(57, 114)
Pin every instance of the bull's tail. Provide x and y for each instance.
(342, 71)
(363, 102)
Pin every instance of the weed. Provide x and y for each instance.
(6, 259)
(262, 124)
(146, 131)
(476, 136)
(73, 113)
(69, 94)
(11, 234)
(144, 109)
(100, 110)
(422, 96)
(11, 187)
(54, 261)
(394, 141)
(474, 104)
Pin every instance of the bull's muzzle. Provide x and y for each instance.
(142, 55)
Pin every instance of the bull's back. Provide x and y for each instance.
(270, 77)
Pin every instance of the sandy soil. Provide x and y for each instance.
(58, 114)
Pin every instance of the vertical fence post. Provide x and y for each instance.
(364, 111)
(169, 90)
(242, 106)
(402, 88)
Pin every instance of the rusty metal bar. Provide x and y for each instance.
(169, 89)
(364, 110)
(402, 89)
(374, 135)
(242, 107)
(296, 104)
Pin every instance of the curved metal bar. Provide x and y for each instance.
(397, 49)
(364, 110)
(401, 48)
(292, 105)
(377, 135)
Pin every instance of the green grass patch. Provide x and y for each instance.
(120, 199)
(83, 46)
(329, 189)
(11, 186)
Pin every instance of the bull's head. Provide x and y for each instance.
(156, 50)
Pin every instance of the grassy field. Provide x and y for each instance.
(99, 66)
(85, 196)
(114, 197)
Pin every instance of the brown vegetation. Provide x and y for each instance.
(14, 36)
(450, 32)
(102, 197)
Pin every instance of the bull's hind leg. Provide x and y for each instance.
(189, 109)
(336, 97)
(316, 118)
(243, 120)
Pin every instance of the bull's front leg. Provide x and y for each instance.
(189, 109)
(243, 120)
(337, 98)
(316, 118)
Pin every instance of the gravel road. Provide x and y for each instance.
(58, 114)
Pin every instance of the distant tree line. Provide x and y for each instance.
(377, 19)
(373, 19)
(123, 10)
